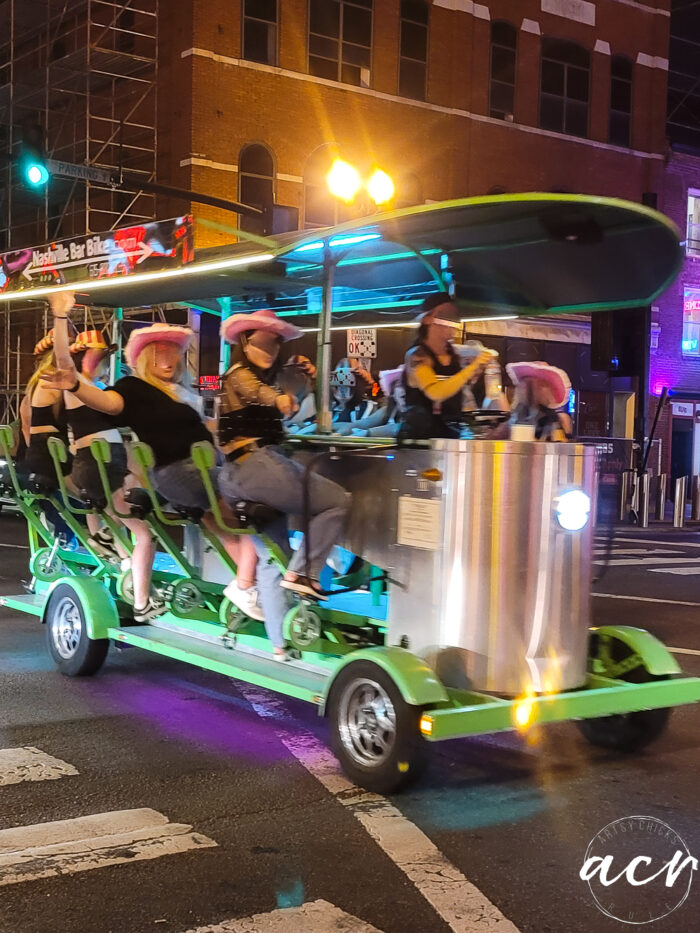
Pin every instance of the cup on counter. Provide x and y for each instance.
(522, 432)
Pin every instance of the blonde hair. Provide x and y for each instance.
(177, 388)
(44, 365)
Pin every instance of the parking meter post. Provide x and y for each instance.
(643, 511)
(624, 492)
(695, 500)
(679, 502)
(661, 486)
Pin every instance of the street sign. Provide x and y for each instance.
(362, 343)
(81, 172)
(151, 247)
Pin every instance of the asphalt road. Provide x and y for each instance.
(511, 815)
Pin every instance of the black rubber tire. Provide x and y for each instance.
(628, 732)
(405, 760)
(89, 654)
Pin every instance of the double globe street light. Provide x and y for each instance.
(345, 183)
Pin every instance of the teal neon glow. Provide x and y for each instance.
(307, 247)
(357, 238)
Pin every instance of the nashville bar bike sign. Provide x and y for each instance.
(151, 247)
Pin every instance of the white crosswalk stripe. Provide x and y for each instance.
(64, 847)
(314, 917)
(30, 764)
(632, 552)
(70, 846)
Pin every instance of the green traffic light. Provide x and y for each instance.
(36, 174)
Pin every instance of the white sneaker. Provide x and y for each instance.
(246, 600)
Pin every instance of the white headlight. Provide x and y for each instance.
(573, 510)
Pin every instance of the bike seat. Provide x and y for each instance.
(38, 484)
(139, 502)
(255, 514)
(99, 504)
(189, 513)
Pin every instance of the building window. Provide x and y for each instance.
(321, 209)
(620, 100)
(413, 59)
(340, 40)
(691, 322)
(504, 40)
(260, 31)
(256, 174)
(564, 87)
(692, 236)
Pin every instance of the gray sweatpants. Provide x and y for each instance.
(268, 476)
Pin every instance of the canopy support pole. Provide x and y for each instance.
(115, 360)
(323, 359)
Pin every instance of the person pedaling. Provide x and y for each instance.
(435, 374)
(42, 416)
(251, 409)
(156, 405)
(540, 390)
(89, 353)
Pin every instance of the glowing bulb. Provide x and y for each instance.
(381, 187)
(343, 180)
(573, 510)
(523, 712)
(37, 174)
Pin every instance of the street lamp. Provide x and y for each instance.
(345, 183)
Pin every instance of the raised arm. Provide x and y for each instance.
(439, 389)
(61, 304)
(66, 376)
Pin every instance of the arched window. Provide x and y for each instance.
(564, 87)
(256, 181)
(620, 100)
(321, 209)
(504, 41)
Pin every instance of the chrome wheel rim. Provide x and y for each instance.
(66, 628)
(367, 722)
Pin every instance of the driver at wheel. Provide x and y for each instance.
(435, 375)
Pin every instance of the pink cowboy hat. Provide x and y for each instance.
(264, 319)
(388, 379)
(555, 378)
(155, 333)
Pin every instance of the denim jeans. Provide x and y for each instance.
(268, 476)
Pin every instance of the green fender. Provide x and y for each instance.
(415, 680)
(99, 607)
(657, 659)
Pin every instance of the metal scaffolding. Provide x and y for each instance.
(85, 72)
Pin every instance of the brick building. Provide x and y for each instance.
(675, 345)
(452, 98)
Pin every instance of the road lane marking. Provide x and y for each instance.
(63, 847)
(645, 599)
(639, 561)
(679, 571)
(460, 903)
(31, 764)
(314, 917)
(643, 541)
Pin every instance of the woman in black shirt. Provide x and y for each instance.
(164, 414)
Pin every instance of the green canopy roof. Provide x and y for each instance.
(525, 254)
